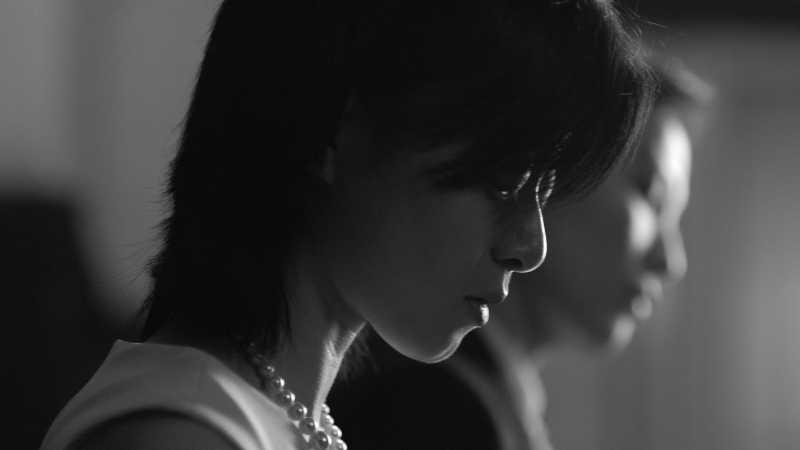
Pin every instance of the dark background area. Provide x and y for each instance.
(750, 11)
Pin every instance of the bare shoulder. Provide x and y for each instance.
(154, 430)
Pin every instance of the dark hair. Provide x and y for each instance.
(523, 83)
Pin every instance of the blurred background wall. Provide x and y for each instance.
(92, 94)
(718, 366)
(92, 97)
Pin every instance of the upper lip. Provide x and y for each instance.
(652, 287)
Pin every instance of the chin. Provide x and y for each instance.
(612, 336)
(621, 334)
(432, 353)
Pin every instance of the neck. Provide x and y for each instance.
(322, 328)
(310, 361)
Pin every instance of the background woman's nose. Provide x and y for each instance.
(522, 244)
(667, 256)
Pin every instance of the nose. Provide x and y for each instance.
(667, 255)
(522, 243)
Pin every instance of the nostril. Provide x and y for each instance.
(521, 245)
(667, 258)
(525, 258)
(514, 265)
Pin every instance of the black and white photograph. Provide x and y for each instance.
(400, 224)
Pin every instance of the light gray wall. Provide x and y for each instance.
(93, 95)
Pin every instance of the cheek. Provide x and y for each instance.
(643, 226)
(359, 246)
(389, 249)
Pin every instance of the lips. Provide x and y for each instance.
(480, 310)
(480, 304)
(652, 288)
(492, 298)
(649, 293)
(642, 307)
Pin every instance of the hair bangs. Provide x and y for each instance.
(550, 110)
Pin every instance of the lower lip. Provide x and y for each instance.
(642, 307)
(481, 311)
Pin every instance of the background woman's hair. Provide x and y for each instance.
(523, 83)
(676, 85)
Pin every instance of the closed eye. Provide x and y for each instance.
(508, 187)
(653, 188)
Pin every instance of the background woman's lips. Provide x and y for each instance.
(643, 301)
(652, 288)
(642, 307)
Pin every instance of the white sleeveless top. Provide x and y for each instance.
(181, 380)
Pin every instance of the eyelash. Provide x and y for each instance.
(503, 190)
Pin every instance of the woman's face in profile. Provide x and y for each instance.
(418, 263)
(610, 253)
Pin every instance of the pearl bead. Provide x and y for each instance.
(275, 383)
(307, 425)
(285, 398)
(321, 440)
(297, 411)
(266, 371)
(318, 439)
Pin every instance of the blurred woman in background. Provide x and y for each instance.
(345, 163)
(612, 252)
(608, 256)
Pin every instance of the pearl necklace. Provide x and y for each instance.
(326, 437)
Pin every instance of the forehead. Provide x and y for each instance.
(667, 150)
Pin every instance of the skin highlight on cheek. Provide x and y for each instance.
(643, 226)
